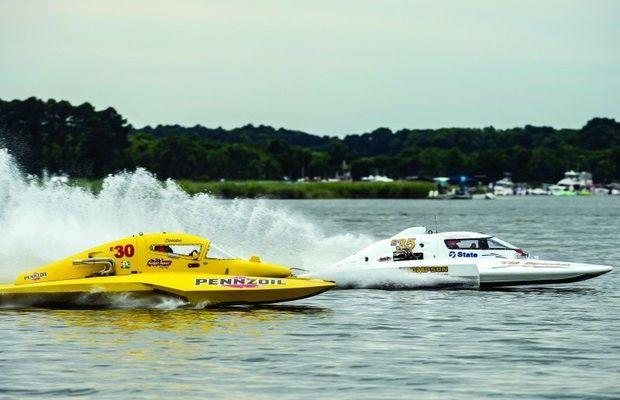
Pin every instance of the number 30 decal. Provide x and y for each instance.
(124, 251)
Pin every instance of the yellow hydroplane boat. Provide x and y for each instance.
(188, 267)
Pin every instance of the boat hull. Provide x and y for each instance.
(487, 273)
(535, 272)
(195, 289)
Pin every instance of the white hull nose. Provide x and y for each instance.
(535, 272)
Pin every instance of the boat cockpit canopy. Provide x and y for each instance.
(192, 250)
(185, 250)
(485, 243)
(217, 252)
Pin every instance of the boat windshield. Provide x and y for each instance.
(489, 243)
(498, 244)
(218, 252)
(187, 250)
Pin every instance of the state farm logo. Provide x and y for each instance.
(461, 254)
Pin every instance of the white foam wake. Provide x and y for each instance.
(41, 222)
(395, 279)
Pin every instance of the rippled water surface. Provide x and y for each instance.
(543, 342)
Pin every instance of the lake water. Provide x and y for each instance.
(557, 342)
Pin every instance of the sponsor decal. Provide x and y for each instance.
(172, 240)
(383, 259)
(546, 264)
(158, 263)
(425, 270)
(35, 276)
(460, 254)
(403, 249)
(238, 282)
(126, 264)
(539, 264)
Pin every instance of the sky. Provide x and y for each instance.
(331, 67)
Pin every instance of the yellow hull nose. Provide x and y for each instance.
(262, 296)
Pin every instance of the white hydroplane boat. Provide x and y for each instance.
(448, 258)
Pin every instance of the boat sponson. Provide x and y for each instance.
(581, 277)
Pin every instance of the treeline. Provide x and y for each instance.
(55, 135)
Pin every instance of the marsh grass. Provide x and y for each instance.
(294, 190)
(311, 190)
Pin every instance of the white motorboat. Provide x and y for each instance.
(505, 186)
(538, 192)
(573, 183)
(451, 259)
(377, 178)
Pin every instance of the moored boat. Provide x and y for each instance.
(573, 183)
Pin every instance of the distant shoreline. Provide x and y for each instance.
(296, 190)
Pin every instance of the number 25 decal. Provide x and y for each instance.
(124, 251)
